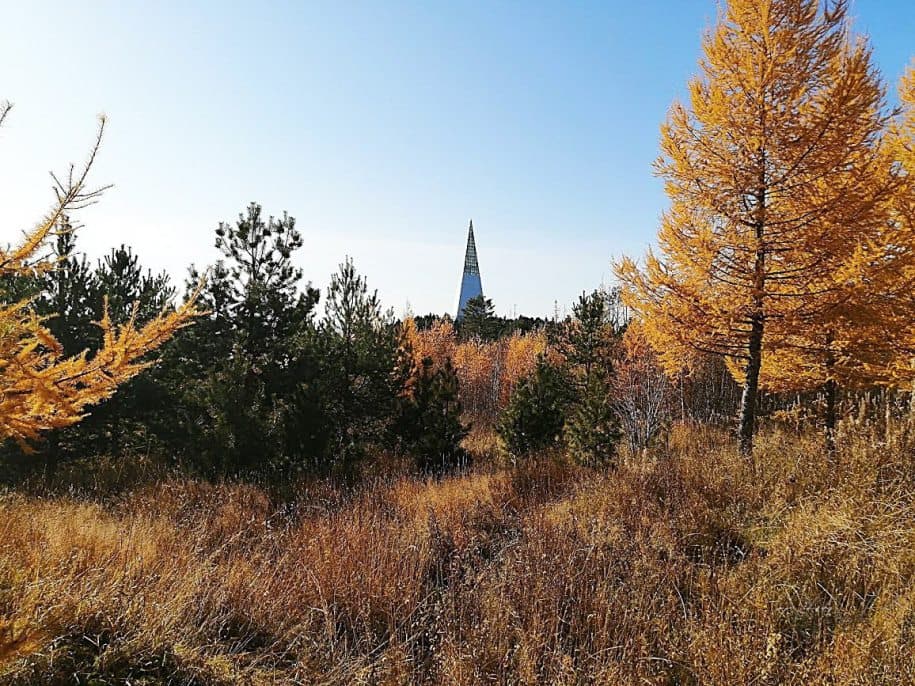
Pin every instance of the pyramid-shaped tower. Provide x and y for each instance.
(471, 287)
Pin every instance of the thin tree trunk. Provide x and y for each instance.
(51, 461)
(682, 397)
(751, 389)
(754, 362)
(887, 416)
(830, 389)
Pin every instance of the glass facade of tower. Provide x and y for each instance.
(471, 286)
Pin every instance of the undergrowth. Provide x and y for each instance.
(689, 565)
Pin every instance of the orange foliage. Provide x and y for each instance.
(487, 370)
(521, 353)
(899, 369)
(865, 333)
(437, 343)
(478, 364)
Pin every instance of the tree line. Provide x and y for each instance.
(262, 385)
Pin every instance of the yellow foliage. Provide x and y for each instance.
(780, 251)
(779, 186)
(477, 363)
(521, 354)
(40, 389)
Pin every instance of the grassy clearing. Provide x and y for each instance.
(687, 566)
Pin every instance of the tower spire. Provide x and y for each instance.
(471, 286)
(471, 266)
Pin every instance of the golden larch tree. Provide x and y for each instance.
(40, 388)
(858, 328)
(892, 344)
(769, 170)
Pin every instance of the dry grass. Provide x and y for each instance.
(687, 567)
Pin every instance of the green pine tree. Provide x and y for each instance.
(236, 376)
(479, 319)
(587, 341)
(357, 353)
(536, 413)
(430, 419)
(592, 429)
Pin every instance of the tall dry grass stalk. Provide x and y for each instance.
(683, 567)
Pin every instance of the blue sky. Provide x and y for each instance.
(383, 127)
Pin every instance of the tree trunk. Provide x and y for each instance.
(830, 389)
(51, 461)
(754, 344)
(751, 389)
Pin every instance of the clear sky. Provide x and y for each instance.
(383, 127)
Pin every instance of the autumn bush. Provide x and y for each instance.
(488, 370)
(687, 566)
